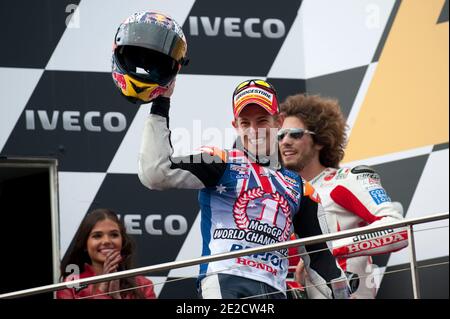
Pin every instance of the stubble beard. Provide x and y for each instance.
(301, 162)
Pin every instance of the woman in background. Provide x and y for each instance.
(101, 246)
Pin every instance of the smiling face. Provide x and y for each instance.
(104, 237)
(297, 153)
(257, 130)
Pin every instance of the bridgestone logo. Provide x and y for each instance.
(372, 235)
(253, 91)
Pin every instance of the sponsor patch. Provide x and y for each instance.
(329, 177)
(291, 181)
(362, 169)
(239, 171)
(239, 168)
(379, 196)
(373, 176)
(242, 176)
(342, 173)
(295, 195)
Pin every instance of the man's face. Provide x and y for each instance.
(257, 130)
(297, 153)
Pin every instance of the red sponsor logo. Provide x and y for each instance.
(120, 80)
(158, 91)
(257, 265)
(329, 177)
(378, 242)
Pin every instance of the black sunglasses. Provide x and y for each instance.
(295, 133)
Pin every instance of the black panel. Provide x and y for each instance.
(443, 17)
(343, 86)
(287, 87)
(179, 289)
(440, 147)
(90, 141)
(26, 219)
(249, 47)
(32, 29)
(433, 281)
(400, 178)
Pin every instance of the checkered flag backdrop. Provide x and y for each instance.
(385, 60)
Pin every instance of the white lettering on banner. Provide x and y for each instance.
(46, 123)
(271, 28)
(70, 121)
(131, 221)
(248, 27)
(231, 27)
(174, 225)
(112, 121)
(108, 121)
(88, 121)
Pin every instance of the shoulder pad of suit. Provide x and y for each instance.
(214, 151)
(363, 169)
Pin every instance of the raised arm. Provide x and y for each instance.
(158, 170)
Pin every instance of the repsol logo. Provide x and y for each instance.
(92, 121)
(155, 224)
(237, 27)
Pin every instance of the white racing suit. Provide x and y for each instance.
(352, 198)
(244, 203)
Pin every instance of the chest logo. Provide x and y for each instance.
(271, 206)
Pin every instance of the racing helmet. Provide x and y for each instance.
(148, 51)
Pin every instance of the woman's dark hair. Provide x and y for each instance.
(77, 253)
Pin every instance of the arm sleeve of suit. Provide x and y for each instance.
(320, 263)
(361, 193)
(159, 170)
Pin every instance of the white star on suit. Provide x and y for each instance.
(221, 189)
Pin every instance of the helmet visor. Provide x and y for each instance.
(154, 37)
(147, 65)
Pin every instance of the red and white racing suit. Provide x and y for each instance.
(352, 198)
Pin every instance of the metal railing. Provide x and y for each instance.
(244, 252)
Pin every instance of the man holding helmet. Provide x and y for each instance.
(247, 198)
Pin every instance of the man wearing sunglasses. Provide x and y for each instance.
(312, 141)
(247, 199)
